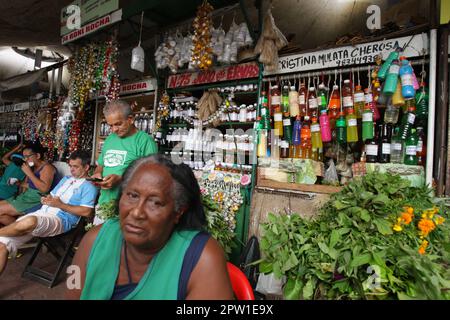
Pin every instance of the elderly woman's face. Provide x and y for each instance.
(146, 207)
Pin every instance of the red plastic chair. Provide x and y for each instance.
(241, 286)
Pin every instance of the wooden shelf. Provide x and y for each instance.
(315, 188)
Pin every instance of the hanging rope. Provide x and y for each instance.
(140, 32)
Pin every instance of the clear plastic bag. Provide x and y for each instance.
(138, 59)
(269, 284)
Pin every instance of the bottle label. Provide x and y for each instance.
(359, 97)
(394, 69)
(411, 118)
(419, 146)
(276, 100)
(278, 117)
(286, 122)
(263, 112)
(302, 99)
(407, 80)
(371, 150)
(397, 146)
(386, 148)
(348, 102)
(368, 97)
(411, 150)
(313, 103)
(352, 123)
(315, 128)
(367, 117)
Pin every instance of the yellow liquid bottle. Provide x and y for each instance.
(397, 98)
(278, 123)
(352, 126)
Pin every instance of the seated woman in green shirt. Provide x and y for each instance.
(157, 247)
(12, 176)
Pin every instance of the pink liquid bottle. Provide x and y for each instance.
(369, 100)
(325, 128)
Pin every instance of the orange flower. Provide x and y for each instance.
(422, 250)
(439, 220)
(426, 226)
(409, 210)
(406, 217)
(423, 246)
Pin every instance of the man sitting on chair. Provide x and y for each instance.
(72, 198)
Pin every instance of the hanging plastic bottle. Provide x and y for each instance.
(408, 119)
(287, 130)
(397, 147)
(278, 123)
(367, 123)
(397, 98)
(347, 94)
(421, 146)
(296, 137)
(305, 146)
(415, 81)
(391, 113)
(381, 98)
(368, 98)
(341, 130)
(285, 100)
(316, 137)
(392, 78)
(411, 148)
(325, 127)
(294, 108)
(382, 72)
(406, 73)
(352, 126)
(335, 103)
(302, 94)
(322, 97)
(422, 104)
(358, 101)
(385, 144)
(275, 100)
(313, 107)
(262, 139)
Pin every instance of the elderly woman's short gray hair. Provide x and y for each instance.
(118, 106)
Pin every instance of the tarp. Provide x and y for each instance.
(22, 80)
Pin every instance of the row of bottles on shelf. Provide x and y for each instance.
(197, 161)
(239, 88)
(195, 139)
(142, 121)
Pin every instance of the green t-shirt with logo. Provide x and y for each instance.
(11, 171)
(118, 153)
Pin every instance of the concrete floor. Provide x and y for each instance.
(14, 287)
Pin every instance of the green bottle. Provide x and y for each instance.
(411, 148)
(341, 130)
(385, 67)
(367, 123)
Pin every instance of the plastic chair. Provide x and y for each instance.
(241, 286)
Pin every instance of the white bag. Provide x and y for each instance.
(269, 284)
(137, 59)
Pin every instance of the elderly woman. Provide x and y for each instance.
(156, 249)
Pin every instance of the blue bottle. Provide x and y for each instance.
(392, 78)
(407, 75)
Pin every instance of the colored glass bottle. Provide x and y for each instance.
(408, 119)
(411, 148)
(385, 144)
(322, 97)
(371, 147)
(287, 130)
(341, 130)
(325, 127)
(421, 147)
(422, 104)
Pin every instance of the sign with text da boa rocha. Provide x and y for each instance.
(352, 55)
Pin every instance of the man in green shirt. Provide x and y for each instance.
(124, 145)
(12, 176)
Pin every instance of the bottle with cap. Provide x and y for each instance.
(335, 103)
(296, 137)
(275, 100)
(406, 73)
(341, 130)
(397, 98)
(347, 95)
(287, 130)
(358, 101)
(305, 146)
(284, 149)
(368, 98)
(397, 147)
(371, 147)
(313, 107)
(316, 139)
(391, 113)
(285, 100)
(322, 97)
(408, 119)
(422, 104)
(325, 127)
(302, 96)
(421, 146)
(390, 85)
(385, 144)
(385, 67)
(411, 148)
(294, 108)
(352, 126)
(367, 123)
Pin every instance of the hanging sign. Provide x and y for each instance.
(351, 55)
(23, 105)
(136, 87)
(85, 11)
(229, 73)
(92, 27)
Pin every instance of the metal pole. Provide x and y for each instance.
(431, 108)
(52, 80)
(59, 81)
